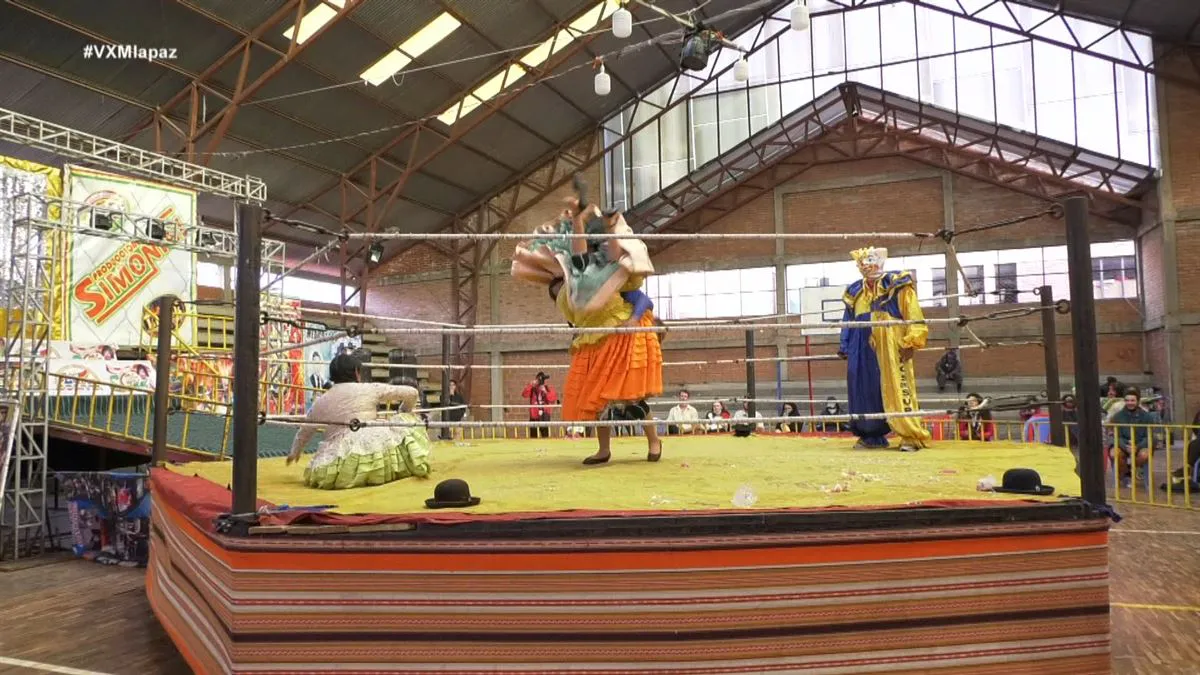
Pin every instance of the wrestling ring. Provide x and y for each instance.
(774, 553)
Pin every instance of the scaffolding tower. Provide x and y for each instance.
(34, 265)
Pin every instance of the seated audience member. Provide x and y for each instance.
(789, 410)
(1112, 388)
(975, 419)
(680, 419)
(716, 418)
(744, 428)
(832, 407)
(1070, 412)
(949, 369)
(1032, 409)
(1132, 434)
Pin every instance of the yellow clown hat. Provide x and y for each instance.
(859, 254)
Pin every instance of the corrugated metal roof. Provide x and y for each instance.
(394, 21)
(246, 14)
(453, 180)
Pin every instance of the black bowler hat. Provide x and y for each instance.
(451, 494)
(1024, 482)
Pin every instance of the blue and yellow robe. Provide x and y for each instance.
(878, 381)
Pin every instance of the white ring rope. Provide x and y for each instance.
(379, 317)
(672, 402)
(501, 329)
(660, 236)
(292, 420)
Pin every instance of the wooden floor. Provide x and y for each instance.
(67, 614)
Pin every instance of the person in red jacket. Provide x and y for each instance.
(540, 394)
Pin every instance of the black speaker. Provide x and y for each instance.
(403, 357)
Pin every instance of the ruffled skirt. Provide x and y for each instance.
(622, 367)
(370, 456)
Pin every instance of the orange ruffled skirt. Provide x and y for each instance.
(621, 367)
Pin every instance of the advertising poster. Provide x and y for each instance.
(112, 280)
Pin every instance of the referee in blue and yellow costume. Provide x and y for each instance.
(879, 359)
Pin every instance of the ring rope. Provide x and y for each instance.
(659, 236)
(355, 425)
(669, 402)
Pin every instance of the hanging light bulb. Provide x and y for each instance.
(800, 19)
(603, 82)
(622, 23)
(741, 71)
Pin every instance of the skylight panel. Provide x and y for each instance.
(535, 57)
(422, 41)
(314, 20)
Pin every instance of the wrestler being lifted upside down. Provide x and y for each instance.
(596, 283)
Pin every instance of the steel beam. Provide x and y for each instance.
(465, 125)
(358, 92)
(219, 123)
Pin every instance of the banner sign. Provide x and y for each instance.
(112, 280)
(70, 377)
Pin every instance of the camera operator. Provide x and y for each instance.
(539, 394)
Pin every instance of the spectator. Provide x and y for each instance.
(744, 429)
(1112, 388)
(949, 369)
(975, 419)
(1070, 412)
(680, 417)
(789, 410)
(1032, 409)
(832, 407)
(1132, 434)
(716, 416)
(539, 394)
(1188, 471)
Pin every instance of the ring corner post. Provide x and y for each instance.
(162, 383)
(1087, 361)
(246, 328)
(1058, 433)
(751, 385)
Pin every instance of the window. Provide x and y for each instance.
(712, 295)
(212, 275)
(1115, 276)
(1006, 283)
(938, 55)
(939, 284)
(1004, 276)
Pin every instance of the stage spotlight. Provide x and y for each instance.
(696, 48)
(101, 221)
(800, 18)
(375, 253)
(622, 23)
(603, 83)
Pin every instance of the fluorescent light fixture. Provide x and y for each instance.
(314, 20)
(422, 41)
(535, 57)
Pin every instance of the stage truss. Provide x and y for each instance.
(37, 273)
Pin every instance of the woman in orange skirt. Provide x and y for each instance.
(611, 369)
(596, 284)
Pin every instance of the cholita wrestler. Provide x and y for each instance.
(596, 283)
(879, 369)
(370, 455)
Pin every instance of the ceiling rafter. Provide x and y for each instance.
(358, 92)
(485, 111)
(169, 65)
